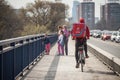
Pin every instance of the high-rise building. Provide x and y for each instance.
(111, 15)
(96, 19)
(87, 11)
(75, 11)
(112, 1)
(102, 12)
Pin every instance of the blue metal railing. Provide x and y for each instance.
(20, 53)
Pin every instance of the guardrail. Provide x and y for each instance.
(108, 59)
(18, 54)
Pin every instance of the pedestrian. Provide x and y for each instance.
(66, 36)
(60, 43)
(47, 44)
(60, 28)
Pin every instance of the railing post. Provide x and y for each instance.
(39, 49)
(43, 45)
(32, 55)
(13, 46)
(28, 41)
(21, 42)
(36, 49)
(1, 62)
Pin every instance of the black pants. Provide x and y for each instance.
(66, 46)
(79, 42)
(85, 48)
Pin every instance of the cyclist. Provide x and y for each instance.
(80, 39)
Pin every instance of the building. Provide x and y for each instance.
(87, 11)
(112, 15)
(102, 12)
(112, 1)
(110, 12)
(96, 19)
(75, 11)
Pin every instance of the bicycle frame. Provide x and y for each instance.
(81, 56)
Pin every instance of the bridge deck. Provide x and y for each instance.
(53, 67)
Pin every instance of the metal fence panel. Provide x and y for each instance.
(8, 65)
(18, 57)
(14, 60)
(1, 70)
(25, 55)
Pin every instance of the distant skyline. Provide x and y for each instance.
(22, 3)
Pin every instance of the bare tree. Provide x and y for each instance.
(47, 14)
(57, 15)
(39, 12)
(9, 22)
(42, 14)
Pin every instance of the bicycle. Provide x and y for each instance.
(81, 56)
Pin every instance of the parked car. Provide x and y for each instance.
(106, 35)
(113, 36)
(96, 33)
(117, 38)
(91, 33)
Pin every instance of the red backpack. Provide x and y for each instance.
(79, 30)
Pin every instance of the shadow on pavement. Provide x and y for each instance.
(53, 69)
(100, 72)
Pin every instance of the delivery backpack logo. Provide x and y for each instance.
(80, 31)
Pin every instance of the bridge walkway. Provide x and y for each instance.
(53, 67)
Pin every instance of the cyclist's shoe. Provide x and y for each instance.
(87, 56)
(77, 65)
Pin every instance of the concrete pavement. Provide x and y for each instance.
(53, 67)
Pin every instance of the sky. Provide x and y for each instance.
(22, 3)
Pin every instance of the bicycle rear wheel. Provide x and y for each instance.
(81, 58)
(82, 63)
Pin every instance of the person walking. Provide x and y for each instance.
(66, 36)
